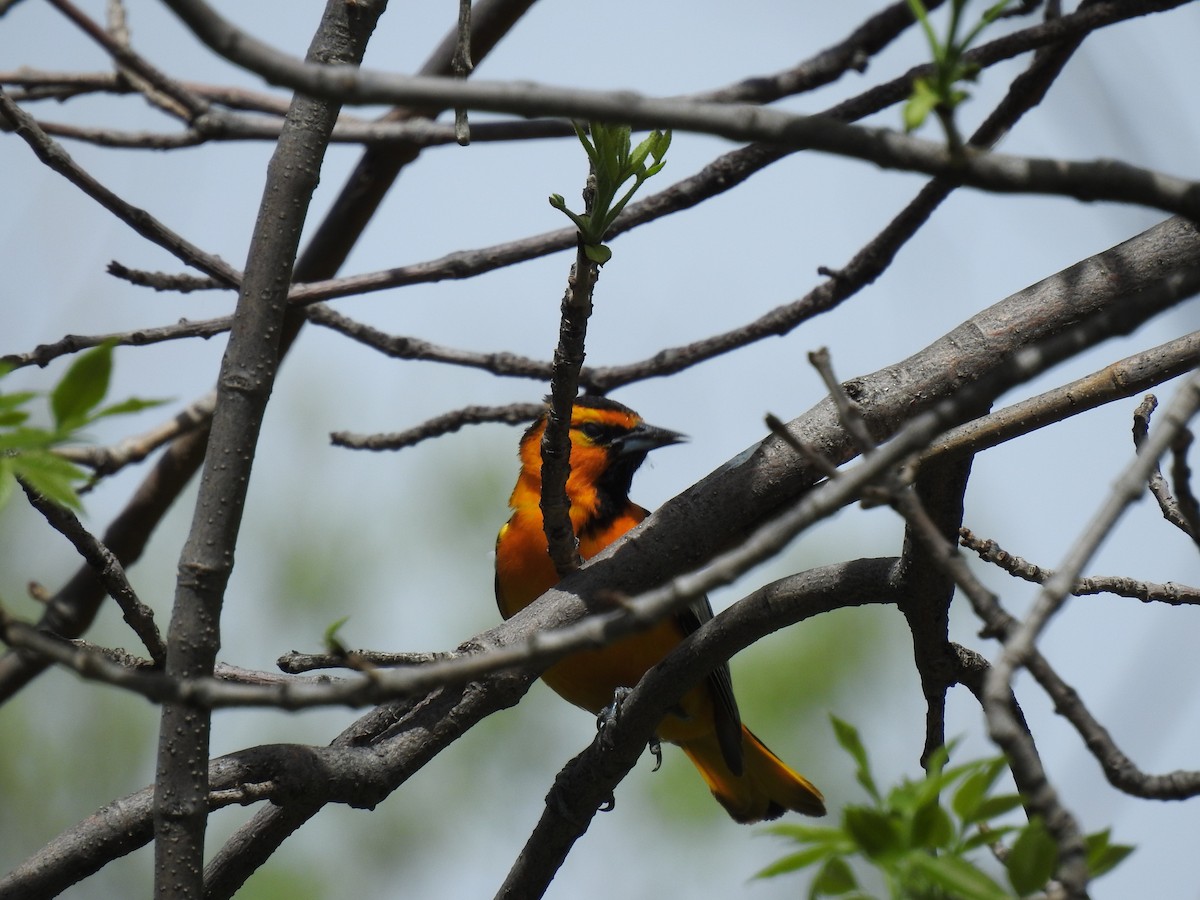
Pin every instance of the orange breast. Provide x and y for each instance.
(590, 677)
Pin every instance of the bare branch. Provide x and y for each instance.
(513, 414)
(404, 347)
(564, 386)
(73, 343)
(107, 460)
(1121, 772)
(1148, 592)
(243, 389)
(1116, 381)
(294, 663)
(1127, 278)
(137, 615)
(1101, 180)
(160, 89)
(1021, 640)
(72, 609)
(1171, 509)
(163, 281)
(1181, 474)
(54, 156)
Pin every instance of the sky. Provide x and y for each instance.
(401, 542)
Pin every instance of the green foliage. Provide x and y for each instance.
(613, 163)
(921, 847)
(333, 644)
(27, 452)
(940, 93)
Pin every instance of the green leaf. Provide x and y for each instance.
(662, 142)
(921, 102)
(641, 152)
(22, 439)
(807, 834)
(597, 253)
(613, 164)
(50, 475)
(873, 831)
(975, 788)
(991, 807)
(1032, 859)
(932, 827)
(7, 480)
(986, 838)
(332, 644)
(847, 736)
(958, 877)
(82, 388)
(794, 862)
(125, 407)
(11, 417)
(922, 16)
(11, 401)
(1103, 856)
(581, 133)
(835, 877)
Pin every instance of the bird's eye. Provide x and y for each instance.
(592, 430)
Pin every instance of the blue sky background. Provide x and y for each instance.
(401, 542)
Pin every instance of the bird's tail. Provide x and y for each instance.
(765, 789)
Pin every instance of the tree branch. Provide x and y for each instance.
(243, 388)
(55, 157)
(1147, 591)
(137, 615)
(1101, 180)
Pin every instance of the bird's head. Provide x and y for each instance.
(609, 441)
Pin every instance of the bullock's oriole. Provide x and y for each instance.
(608, 443)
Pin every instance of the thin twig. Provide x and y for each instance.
(1171, 508)
(158, 87)
(1147, 591)
(137, 615)
(462, 66)
(512, 414)
(1020, 643)
(113, 458)
(54, 156)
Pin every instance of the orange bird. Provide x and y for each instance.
(608, 444)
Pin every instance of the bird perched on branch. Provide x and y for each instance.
(608, 444)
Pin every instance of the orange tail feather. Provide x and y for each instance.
(766, 789)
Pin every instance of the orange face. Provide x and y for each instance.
(608, 443)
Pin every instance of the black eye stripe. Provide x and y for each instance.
(600, 433)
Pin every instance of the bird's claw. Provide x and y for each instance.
(607, 718)
(656, 751)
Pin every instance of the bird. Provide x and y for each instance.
(609, 442)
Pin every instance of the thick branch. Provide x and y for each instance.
(243, 388)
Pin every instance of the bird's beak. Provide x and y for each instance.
(645, 438)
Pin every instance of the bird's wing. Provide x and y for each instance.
(725, 710)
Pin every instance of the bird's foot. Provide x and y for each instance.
(607, 718)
